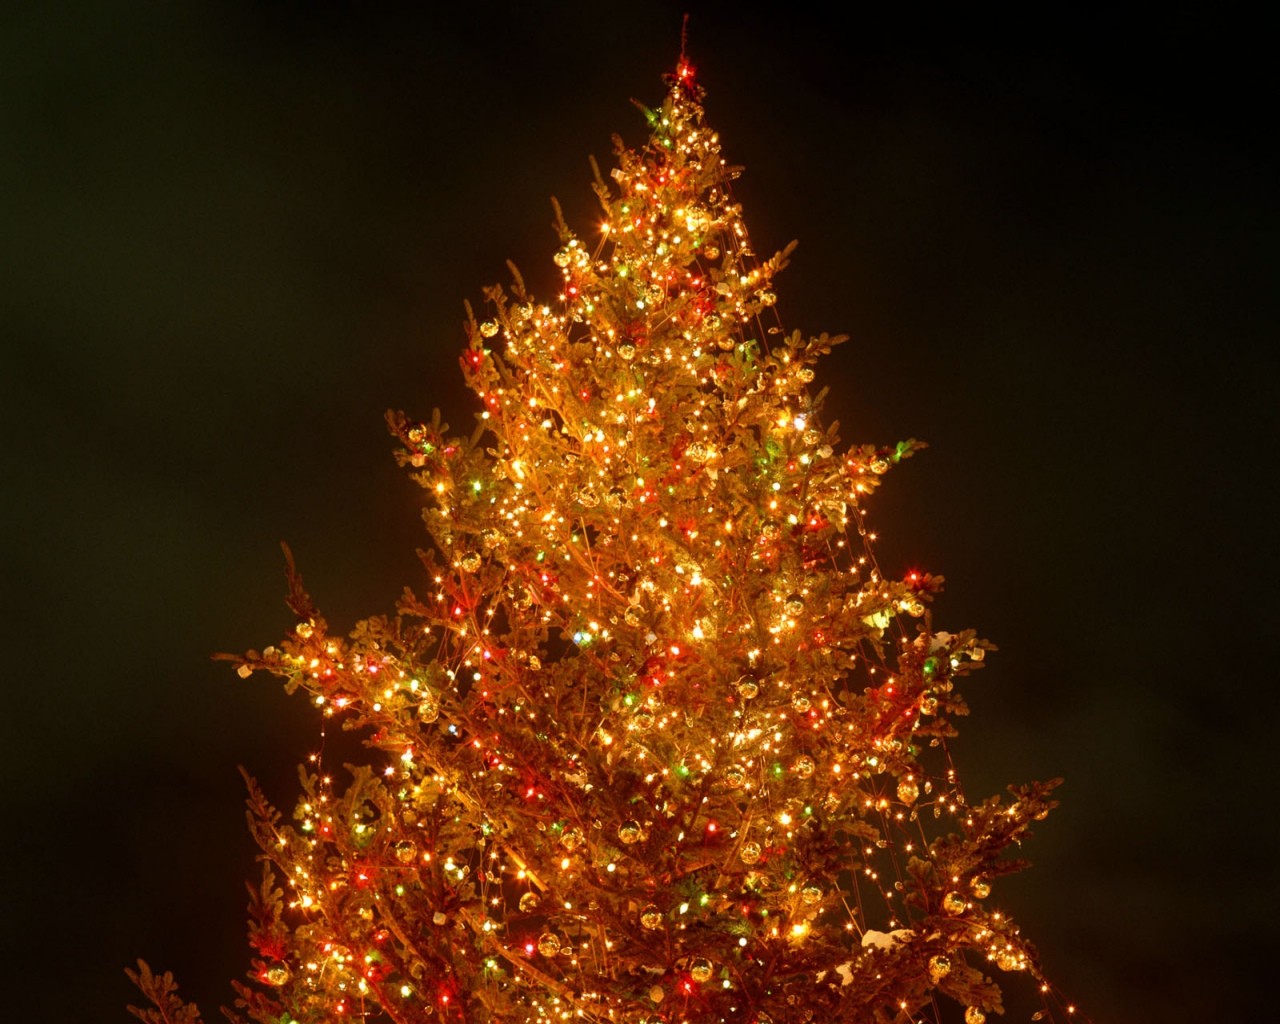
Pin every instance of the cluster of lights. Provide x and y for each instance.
(662, 728)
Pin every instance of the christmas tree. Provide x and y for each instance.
(656, 740)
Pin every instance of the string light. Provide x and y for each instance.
(659, 732)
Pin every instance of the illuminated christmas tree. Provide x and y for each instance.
(655, 741)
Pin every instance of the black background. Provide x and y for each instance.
(235, 233)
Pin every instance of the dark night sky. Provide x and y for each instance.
(234, 236)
